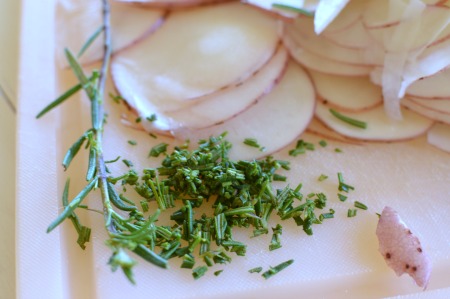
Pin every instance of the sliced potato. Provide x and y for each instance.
(379, 126)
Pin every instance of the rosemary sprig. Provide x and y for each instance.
(124, 233)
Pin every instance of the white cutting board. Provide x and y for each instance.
(340, 260)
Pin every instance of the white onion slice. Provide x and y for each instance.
(274, 121)
(81, 18)
(439, 136)
(351, 13)
(306, 5)
(326, 12)
(347, 93)
(302, 33)
(401, 249)
(225, 104)
(379, 126)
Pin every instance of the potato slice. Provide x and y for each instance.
(225, 104)
(77, 20)
(321, 64)
(379, 126)
(196, 52)
(347, 93)
(274, 121)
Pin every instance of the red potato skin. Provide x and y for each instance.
(401, 249)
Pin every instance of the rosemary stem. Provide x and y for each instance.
(98, 115)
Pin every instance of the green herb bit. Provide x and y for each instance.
(144, 205)
(255, 270)
(342, 185)
(188, 261)
(132, 142)
(360, 205)
(152, 135)
(351, 121)
(278, 177)
(199, 272)
(116, 98)
(322, 177)
(338, 150)
(90, 40)
(274, 270)
(327, 215)
(218, 272)
(128, 163)
(323, 143)
(351, 213)
(251, 142)
(294, 9)
(275, 243)
(113, 161)
(342, 197)
(158, 149)
(301, 148)
(151, 118)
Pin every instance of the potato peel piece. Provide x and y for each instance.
(401, 249)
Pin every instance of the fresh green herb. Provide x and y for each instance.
(128, 163)
(351, 213)
(274, 270)
(322, 178)
(276, 237)
(327, 215)
(116, 98)
(251, 142)
(188, 261)
(293, 9)
(151, 118)
(301, 148)
(125, 233)
(90, 40)
(255, 270)
(323, 143)
(144, 205)
(153, 135)
(132, 142)
(360, 205)
(158, 150)
(349, 120)
(113, 161)
(342, 197)
(342, 185)
(138, 119)
(218, 272)
(338, 150)
(278, 177)
(199, 272)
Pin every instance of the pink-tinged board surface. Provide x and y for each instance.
(340, 260)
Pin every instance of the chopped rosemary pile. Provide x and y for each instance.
(241, 194)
